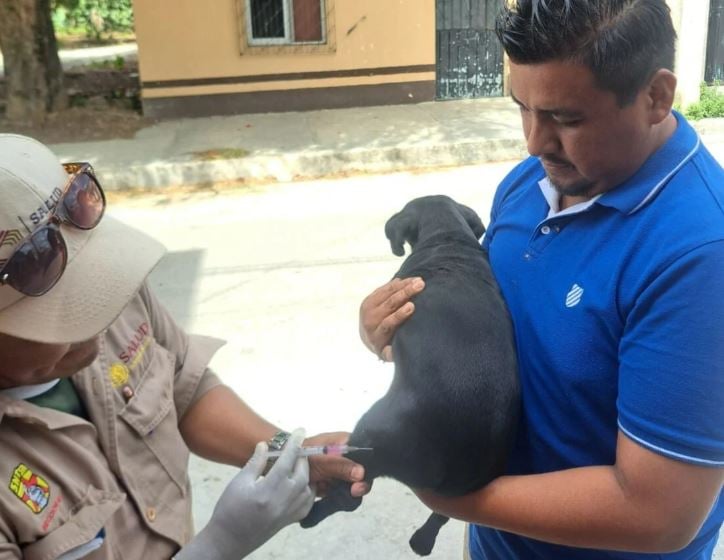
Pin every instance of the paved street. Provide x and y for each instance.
(279, 271)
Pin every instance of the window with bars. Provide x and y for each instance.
(285, 22)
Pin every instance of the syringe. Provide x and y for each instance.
(335, 450)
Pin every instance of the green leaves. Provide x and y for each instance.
(710, 104)
(97, 18)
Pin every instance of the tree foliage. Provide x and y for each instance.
(98, 18)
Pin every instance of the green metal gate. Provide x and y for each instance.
(469, 55)
(715, 43)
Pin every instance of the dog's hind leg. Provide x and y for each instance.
(338, 498)
(423, 540)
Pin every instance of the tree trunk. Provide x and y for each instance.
(33, 74)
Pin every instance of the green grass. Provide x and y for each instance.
(710, 104)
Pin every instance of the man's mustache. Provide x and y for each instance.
(554, 160)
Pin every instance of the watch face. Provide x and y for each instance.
(278, 441)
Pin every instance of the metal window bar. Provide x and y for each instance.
(286, 22)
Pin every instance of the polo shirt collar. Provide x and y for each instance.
(638, 190)
(553, 198)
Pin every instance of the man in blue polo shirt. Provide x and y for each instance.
(608, 245)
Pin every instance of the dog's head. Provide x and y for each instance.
(438, 210)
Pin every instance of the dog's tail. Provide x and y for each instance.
(423, 540)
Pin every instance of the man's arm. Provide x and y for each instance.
(214, 422)
(221, 427)
(644, 503)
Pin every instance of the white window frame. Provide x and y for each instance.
(288, 39)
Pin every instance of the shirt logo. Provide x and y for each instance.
(136, 347)
(118, 374)
(574, 296)
(30, 488)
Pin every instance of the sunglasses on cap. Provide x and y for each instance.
(39, 260)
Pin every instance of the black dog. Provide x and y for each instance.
(448, 419)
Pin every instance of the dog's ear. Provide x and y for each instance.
(400, 228)
(473, 220)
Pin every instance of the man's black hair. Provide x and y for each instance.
(623, 42)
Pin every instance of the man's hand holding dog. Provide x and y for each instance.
(384, 310)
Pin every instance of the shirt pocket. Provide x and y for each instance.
(82, 525)
(154, 438)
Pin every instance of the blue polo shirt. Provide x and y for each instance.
(618, 308)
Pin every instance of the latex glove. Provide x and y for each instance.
(252, 508)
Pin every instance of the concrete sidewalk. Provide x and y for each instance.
(315, 144)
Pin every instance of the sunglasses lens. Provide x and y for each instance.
(84, 202)
(38, 263)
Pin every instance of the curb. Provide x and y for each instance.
(309, 165)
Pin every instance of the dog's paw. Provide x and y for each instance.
(338, 498)
(422, 542)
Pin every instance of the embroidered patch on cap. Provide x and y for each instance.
(32, 489)
(10, 238)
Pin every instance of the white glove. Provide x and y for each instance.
(252, 509)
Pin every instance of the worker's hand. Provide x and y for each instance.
(254, 508)
(384, 310)
(324, 469)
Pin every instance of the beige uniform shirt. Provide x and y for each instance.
(122, 477)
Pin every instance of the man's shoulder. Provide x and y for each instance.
(695, 197)
(524, 175)
(711, 175)
(528, 170)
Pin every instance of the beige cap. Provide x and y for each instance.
(106, 265)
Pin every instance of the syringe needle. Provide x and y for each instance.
(333, 450)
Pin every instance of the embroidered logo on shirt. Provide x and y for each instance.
(52, 512)
(574, 296)
(30, 488)
(118, 374)
(136, 347)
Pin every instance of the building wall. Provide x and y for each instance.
(691, 20)
(187, 51)
(192, 62)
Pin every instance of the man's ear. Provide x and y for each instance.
(662, 88)
(400, 228)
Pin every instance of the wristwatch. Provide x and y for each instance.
(276, 443)
(278, 440)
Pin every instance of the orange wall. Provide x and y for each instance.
(186, 39)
